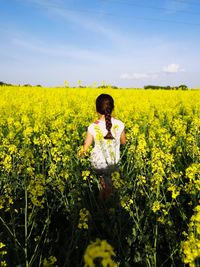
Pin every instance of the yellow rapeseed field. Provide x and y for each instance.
(49, 213)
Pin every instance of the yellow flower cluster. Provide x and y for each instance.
(99, 252)
(157, 205)
(7, 163)
(161, 211)
(6, 198)
(36, 189)
(174, 190)
(142, 147)
(87, 175)
(84, 216)
(116, 180)
(161, 165)
(50, 262)
(193, 175)
(141, 184)
(191, 247)
(126, 202)
(3, 252)
(99, 135)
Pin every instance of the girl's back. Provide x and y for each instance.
(106, 151)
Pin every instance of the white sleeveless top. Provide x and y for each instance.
(105, 152)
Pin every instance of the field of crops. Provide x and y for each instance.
(49, 211)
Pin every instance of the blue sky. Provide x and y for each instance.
(127, 43)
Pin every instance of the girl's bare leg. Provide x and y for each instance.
(106, 190)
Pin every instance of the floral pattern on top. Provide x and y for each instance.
(105, 152)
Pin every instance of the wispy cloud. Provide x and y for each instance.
(61, 51)
(45, 3)
(84, 19)
(173, 68)
(169, 69)
(138, 76)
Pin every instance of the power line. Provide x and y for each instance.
(178, 1)
(153, 19)
(132, 17)
(87, 11)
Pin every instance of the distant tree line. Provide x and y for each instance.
(154, 87)
(108, 86)
(9, 84)
(180, 87)
(100, 86)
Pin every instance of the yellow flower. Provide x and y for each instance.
(102, 251)
(116, 180)
(156, 206)
(142, 145)
(191, 250)
(191, 247)
(36, 190)
(84, 215)
(115, 126)
(3, 252)
(2, 245)
(126, 202)
(27, 132)
(99, 134)
(85, 175)
(175, 191)
(81, 152)
(193, 175)
(12, 149)
(6, 199)
(135, 129)
(141, 180)
(7, 163)
(50, 262)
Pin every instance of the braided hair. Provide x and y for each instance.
(105, 106)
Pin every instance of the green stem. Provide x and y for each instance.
(38, 243)
(155, 246)
(25, 228)
(10, 232)
(148, 261)
(156, 232)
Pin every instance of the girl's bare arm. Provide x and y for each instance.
(88, 141)
(123, 138)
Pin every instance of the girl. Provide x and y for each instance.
(107, 133)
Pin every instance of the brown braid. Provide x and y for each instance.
(104, 106)
(108, 124)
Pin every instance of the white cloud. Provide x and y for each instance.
(169, 69)
(173, 68)
(137, 76)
